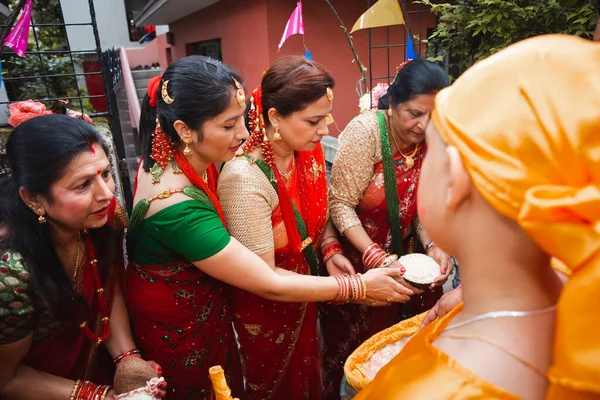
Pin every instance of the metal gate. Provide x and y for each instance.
(391, 43)
(90, 79)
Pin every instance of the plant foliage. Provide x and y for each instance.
(471, 30)
(49, 38)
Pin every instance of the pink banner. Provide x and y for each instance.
(294, 26)
(18, 38)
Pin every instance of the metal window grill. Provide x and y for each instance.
(53, 84)
(414, 16)
(67, 84)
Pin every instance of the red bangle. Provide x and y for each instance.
(368, 250)
(330, 250)
(333, 243)
(134, 352)
(86, 390)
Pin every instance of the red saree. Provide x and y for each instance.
(189, 330)
(68, 353)
(278, 342)
(346, 327)
(180, 318)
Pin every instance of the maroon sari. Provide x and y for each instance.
(346, 327)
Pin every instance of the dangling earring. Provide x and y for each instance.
(187, 151)
(277, 135)
(41, 219)
(389, 112)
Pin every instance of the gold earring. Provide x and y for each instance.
(187, 151)
(41, 219)
(277, 135)
(390, 112)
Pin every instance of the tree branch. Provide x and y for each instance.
(362, 83)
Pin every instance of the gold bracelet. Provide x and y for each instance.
(75, 386)
(389, 260)
(105, 393)
(364, 285)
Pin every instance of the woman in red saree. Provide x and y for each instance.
(182, 257)
(279, 345)
(62, 312)
(374, 181)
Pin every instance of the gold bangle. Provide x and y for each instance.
(389, 260)
(105, 393)
(364, 285)
(75, 386)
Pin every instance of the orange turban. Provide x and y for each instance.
(527, 125)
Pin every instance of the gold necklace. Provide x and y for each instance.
(288, 175)
(77, 259)
(409, 160)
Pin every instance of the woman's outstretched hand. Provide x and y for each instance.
(383, 289)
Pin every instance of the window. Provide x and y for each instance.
(208, 48)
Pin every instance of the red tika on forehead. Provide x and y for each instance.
(99, 172)
(92, 149)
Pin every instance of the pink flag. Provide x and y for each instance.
(294, 26)
(18, 38)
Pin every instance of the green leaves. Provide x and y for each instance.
(471, 30)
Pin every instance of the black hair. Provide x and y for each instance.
(416, 78)
(201, 89)
(39, 152)
(383, 103)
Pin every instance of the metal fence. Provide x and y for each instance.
(90, 79)
(414, 23)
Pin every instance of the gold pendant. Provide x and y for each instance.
(316, 169)
(410, 162)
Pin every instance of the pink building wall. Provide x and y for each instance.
(250, 32)
(240, 26)
(153, 52)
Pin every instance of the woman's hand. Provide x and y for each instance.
(401, 280)
(446, 303)
(339, 265)
(445, 262)
(162, 386)
(383, 289)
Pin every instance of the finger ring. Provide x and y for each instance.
(373, 303)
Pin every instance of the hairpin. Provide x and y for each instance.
(165, 93)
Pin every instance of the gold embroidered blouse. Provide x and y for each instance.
(248, 201)
(359, 150)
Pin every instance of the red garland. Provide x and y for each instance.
(256, 127)
(91, 253)
(162, 147)
(197, 181)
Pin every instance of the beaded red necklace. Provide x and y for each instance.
(91, 253)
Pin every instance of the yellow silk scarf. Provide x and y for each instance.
(527, 125)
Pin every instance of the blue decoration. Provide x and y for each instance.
(410, 48)
(308, 55)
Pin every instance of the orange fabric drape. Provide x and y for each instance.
(526, 122)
